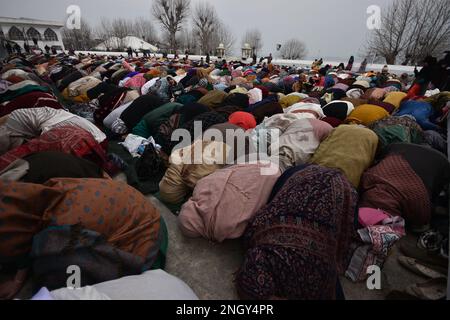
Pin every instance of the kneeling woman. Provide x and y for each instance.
(300, 242)
(106, 228)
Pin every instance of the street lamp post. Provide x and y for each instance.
(256, 46)
(220, 51)
(25, 36)
(375, 56)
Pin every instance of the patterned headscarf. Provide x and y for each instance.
(119, 127)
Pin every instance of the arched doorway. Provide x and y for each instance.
(50, 35)
(32, 33)
(15, 34)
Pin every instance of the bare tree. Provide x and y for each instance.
(411, 30)
(121, 28)
(205, 23)
(78, 39)
(186, 40)
(113, 32)
(223, 34)
(104, 29)
(143, 28)
(293, 49)
(254, 39)
(431, 29)
(171, 14)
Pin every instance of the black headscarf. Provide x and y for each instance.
(139, 108)
(191, 110)
(430, 165)
(237, 99)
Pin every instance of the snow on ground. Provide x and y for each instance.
(133, 42)
(397, 69)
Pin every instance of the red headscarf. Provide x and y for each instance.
(242, 119)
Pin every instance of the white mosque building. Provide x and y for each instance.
(24, 30)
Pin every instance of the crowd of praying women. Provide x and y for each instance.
(360, 160)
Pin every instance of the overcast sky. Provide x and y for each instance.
(330, 28)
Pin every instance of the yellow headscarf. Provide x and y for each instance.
(366, 114)
(288, 101)
(349, 148)
(395, 98)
